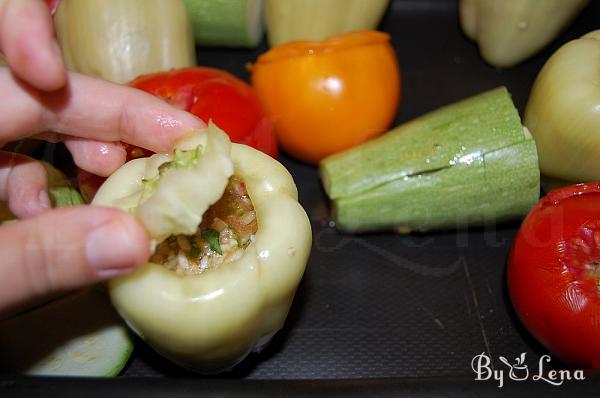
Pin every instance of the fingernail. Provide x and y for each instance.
(111, 249)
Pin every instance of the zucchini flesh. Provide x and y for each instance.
(60, 192)
(465, 164)
(77, 335)
(228, 23)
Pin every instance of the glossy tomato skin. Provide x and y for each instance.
(208, 93)
(553, 273)
(328, 96)
(211, 93)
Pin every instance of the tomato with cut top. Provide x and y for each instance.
(330, 95)
(554, 273)
(210, 94)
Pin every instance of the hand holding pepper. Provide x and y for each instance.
(49, 251)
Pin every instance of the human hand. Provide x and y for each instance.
(51, 251)
(28, 43)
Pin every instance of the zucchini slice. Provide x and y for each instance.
(468, 163)
(76, 335)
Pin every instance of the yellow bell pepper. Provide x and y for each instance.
(563, 111)
(509, 31)
(209, 322)
(120, 40)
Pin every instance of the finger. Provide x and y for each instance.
(28, 43)
(97, 157)
(94, 109)
(48, 136)
(24, 183)
(92, 244)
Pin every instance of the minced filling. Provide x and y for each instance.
(227, 228)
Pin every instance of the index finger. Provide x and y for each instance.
(27, 40)
(91, 108)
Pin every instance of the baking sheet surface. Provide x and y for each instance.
(393, 306)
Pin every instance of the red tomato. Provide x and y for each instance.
(554, 273)
(208, 93)
(218, 95)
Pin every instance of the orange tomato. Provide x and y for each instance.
(327, 96)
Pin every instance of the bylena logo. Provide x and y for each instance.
(519, 371)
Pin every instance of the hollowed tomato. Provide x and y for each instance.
(554, 273)
(327, 96)
(208, 93)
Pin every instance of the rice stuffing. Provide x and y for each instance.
(227, 228)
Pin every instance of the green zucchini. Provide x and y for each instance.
(77, 335)
(464, 164)
(60, 192)
(228, 23)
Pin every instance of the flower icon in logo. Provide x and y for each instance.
(519, 370)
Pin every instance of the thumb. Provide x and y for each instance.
(65, 249)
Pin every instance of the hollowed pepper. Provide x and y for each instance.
(209, 322)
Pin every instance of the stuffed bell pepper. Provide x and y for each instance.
(231, 244)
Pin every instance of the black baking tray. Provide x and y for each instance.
(378, 314)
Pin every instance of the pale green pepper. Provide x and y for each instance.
(509, 31)
(209, 322)
(120, 40)
(563, 112)
(289, 20)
